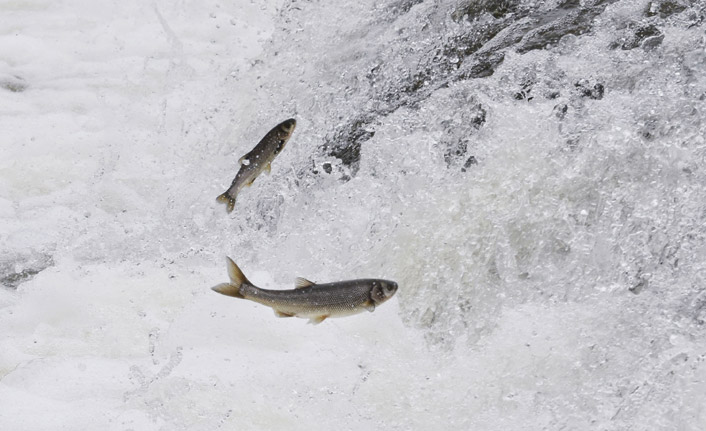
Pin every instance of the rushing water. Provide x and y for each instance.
(530, 173)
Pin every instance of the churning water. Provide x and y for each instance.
(531, 173)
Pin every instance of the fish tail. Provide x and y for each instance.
(228, 200)
(237, 280)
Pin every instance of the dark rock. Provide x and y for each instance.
(345, 143)
(560, 110)
(478, 117)
(457, 146)
(327, 167)
(584, 89)
(553, 25)
(524, 93)
(648, 128)
(474, 52)
(639, 285)
(473, 9)
(20, 268)
(470, 162)
(572, 143)
(13, 83)
(664, 8)
(639, 35)
(652, 42)
(455, 150)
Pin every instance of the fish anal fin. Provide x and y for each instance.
(268, 168)
(281, 314)
(301, 283)
(318, 319)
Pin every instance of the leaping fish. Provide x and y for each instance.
(257, 160)
(309, 300)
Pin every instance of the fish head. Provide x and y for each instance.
(286, 128)
(382, 290)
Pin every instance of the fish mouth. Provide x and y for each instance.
(289, 125)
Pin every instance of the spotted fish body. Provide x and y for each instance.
(259, 159)
(315, 302)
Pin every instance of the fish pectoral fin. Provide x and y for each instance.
(301, 283)
(369, 306)
(318, 319)
(245, 160)
(281, 314)
(268, 168)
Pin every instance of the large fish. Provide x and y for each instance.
(308, 300)
(259, 159)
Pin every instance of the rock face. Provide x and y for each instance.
(12, 83)
(15, 270)
(481, 34)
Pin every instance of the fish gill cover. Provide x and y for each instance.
(530, 173)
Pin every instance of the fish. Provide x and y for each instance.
(309, 300)
(259, 159)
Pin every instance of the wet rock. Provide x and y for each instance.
(698, 306)
(474, 51)
(470, 162)
(345, 143)
(550, 26)
(553, 94)
(652, 42)
(457, 131)
(584, 89)
(15, 270)
(664, 8)
(13, 83)
(560, 110)
(638, 286)
(572, 144)
(524, 93)
(473, 9)
(638, 35)
(648, 128)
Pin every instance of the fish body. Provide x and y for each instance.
(308, 300)
(259, 159)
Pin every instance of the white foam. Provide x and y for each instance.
(514, 309)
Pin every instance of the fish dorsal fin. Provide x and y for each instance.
(301, 283)
(236, 276)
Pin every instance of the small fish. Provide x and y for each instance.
(308, 300)
(259, 159)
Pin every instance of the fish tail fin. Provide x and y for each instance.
(237, 279)
(228, 200)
